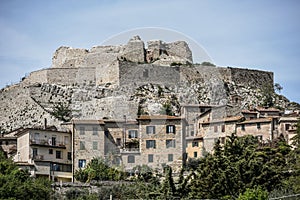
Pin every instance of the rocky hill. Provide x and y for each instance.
(131, 79)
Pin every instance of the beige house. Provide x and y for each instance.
(162, 142)
(213, 129)
(45, 153)
(288, 126)
(91, 139)
(262, 128)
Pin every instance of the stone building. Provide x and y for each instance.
(262, 128)
(90, 140)
(162, 142)
(288, 126)
(45, 153)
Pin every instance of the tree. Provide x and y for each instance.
(278, 87)
(16, 183)
(167, 109)
(62, 111)
(99, 170)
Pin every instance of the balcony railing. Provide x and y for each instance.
(41, 142)
(36, 157)
(130, 150)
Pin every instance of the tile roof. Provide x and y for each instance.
(262, 109)
(159, 117)
(80, 121)
(226, 119)
(251, 121)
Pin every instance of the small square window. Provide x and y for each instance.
(170, 157)
(82, 145)
(215, 129)
(58, 155)
(150, 158)
(132, 134)
(223, 128)
(118, 141)
(258, 125)
(95, 145)
(170, 144)
(195, 144)
(81, 163)
(150, 129)
(243, 127)
(150, 144)
(170, 129)
(50, 151)
(131, 159)
(81, 130)
(95, 130)
(195, 154)
(69, 155)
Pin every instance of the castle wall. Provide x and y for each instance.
(132, 73)
(39, 76)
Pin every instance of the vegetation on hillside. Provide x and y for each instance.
(16, 183)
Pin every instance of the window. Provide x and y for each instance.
(243, 127)
(132, 134)
(81, 130)
(82, 145)
(150, 129)
(119, 141)
(258, 125)
(150, 158)
(287, 127)
(81, 163)
(223, 128)
(131, 159)
(53, 141)
(58, 155)
(170, 157)
(192, 133)
(36, 136)
(195, 144)
(170, 129)
(66, 139)
(170, 143)
(202, 110)
(222, 140)
(195, 154)
(50, 151)
(69, 155)
(95, 145)
(34, 152)
(150, 144)
(95, 130)
(215, 129)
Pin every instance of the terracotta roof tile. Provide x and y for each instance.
(159, 117)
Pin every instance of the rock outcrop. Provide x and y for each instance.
(113, 81)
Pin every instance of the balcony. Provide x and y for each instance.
(129, 150)
(47, 143)
(36, 157)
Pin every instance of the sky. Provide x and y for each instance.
(250, 34)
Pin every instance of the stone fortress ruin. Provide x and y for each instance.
(113, 81)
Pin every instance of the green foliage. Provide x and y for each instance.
(62, 111)
(167, 109)
(242, 163)
(99, 170)
(278, 87)
(16, 183)
(254, 194)
(208, 64)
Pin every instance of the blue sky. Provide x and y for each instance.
(250, 34)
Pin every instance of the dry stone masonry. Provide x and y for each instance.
(113, 81)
